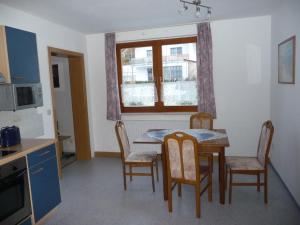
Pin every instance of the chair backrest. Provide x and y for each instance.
(201, 120)
(122, 139)
(264, 143)
(182, 157)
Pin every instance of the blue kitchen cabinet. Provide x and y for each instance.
(41, 155)
(45, 189)
(22, 56)
(26, 222)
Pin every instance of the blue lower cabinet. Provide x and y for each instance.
(41, 155)
(26, 222)
(45, 189)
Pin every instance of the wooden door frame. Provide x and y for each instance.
(79, 103)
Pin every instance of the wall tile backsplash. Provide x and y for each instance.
(29, 121)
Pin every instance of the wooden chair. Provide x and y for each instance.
(183, 167)
(202, 120)
(253, 165)
(134, 159)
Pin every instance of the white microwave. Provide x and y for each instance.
(20, 96)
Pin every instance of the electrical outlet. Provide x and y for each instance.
(16, 119)
(49, 112)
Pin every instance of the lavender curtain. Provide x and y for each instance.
(205, 85)
(112, 90)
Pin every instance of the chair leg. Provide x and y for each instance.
(152, 176)
(170, 195)
(212, 164)
(198, 209)
(157, 174)
(130, 171)
(124, 177)
(226, 176)
(179, 189)
(258, 182)
(230, 186)
(219, 160)
(209, 191)
(266, 187)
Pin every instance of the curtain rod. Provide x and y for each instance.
(158, 27)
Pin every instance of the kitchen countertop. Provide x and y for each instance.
(27, 146)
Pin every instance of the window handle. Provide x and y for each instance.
(155, 90)
(161, 89)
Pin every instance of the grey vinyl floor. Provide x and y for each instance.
(92, 194)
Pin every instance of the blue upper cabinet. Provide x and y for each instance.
(22, 56)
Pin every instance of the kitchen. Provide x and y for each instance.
(28, 167)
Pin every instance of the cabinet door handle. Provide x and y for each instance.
(44, 153)
(18, 77)
(21, 174)
(37, 171)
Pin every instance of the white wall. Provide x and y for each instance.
(63, 103)
(285, 107)
(38, 122)
(241, 50)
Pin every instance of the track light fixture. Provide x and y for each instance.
(198, 5)
(184, 8)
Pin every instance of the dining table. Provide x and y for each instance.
(217, 145)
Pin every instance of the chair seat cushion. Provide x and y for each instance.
(148, 156)
(243, 163)
(149, 153)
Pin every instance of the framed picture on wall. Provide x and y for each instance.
(286, 61)
(55, 76)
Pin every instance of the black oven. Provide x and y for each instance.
(14, 192)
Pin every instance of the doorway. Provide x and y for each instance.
(64, 112)
(70, 114)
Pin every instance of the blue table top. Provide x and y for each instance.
(200, 134)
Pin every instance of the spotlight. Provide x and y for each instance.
(198, 5)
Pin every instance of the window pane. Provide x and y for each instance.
(138, 88)
(179, 75)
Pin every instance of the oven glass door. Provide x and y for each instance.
(14, 198)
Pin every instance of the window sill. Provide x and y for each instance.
(178, 116)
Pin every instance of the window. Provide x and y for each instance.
(172, 73)
(176, 51)
(149, 53)
(158, 76)
(150, 73)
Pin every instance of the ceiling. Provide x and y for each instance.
(95, 16)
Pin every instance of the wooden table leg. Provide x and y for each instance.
(222, 176)
(164, 171)
(219, 159)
